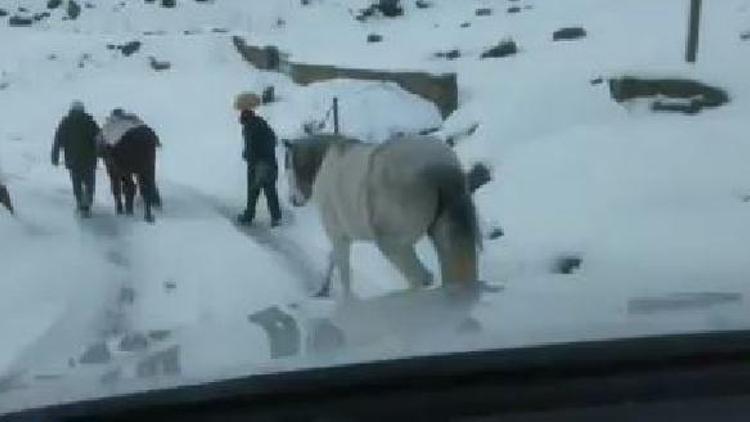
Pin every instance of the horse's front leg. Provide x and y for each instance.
(338, 258)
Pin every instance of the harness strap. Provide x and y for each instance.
(369, 200)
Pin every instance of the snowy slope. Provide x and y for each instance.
(651, 202)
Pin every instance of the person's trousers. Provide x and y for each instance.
(262, 177)
(84, 186)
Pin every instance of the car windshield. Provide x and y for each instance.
(196, 190)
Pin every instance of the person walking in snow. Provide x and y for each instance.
(260, 154)
(76, 136)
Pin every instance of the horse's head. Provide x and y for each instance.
(5, 198)
(302, 161)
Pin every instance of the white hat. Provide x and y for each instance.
(246, 101)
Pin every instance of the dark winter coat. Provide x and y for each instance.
(260, 140)
(76, 136)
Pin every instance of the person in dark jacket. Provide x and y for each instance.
(76, 136)
(260, 154)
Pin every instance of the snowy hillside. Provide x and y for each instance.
(654, 205)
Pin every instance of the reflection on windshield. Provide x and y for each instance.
(193, 191)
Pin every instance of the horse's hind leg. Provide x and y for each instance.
(339, 258)
(116, 183)
(129, 188)
(405, 259)
(145, 185)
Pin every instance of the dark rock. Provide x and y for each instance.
(168, 3)
(429, 131)
(3, 85)
(73, 10)
(496, 233)
(374, 38)
(528, 7)
(423, 4)
(597, 81)
(485, 11)
(170, 285)
(133, 342)
(566, 34)
(465, 24)
(96, 353)
(365, 14)
(88, 5)
(567, 264)
(478, 176)
(305, 2)
(219, 30)
(20, 21)
(504, 49)
(514, 9)
(52, 57)
(130, 48)
(390, 8)
(40, 16)
(280, 22)
(23, 10)
(449, 55)
(54, 4)
(3, 13)
(269, 95)
(681, 95)
(745, 36)
(159, 65)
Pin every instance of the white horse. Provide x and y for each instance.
(391, 194)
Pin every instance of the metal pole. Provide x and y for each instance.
(336, 115)
(693, 31)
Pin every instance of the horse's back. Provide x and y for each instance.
(406, 178)
(136, 151)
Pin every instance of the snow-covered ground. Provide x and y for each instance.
(654, 204)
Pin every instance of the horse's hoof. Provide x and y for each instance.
(150, 220)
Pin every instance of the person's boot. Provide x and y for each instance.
(85, 211)
(245, 218)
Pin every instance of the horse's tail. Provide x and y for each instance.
(455, 230)
(5, 198)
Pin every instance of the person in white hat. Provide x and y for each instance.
(260, 155)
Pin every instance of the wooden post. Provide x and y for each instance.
(693, 31)
(336, 115)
